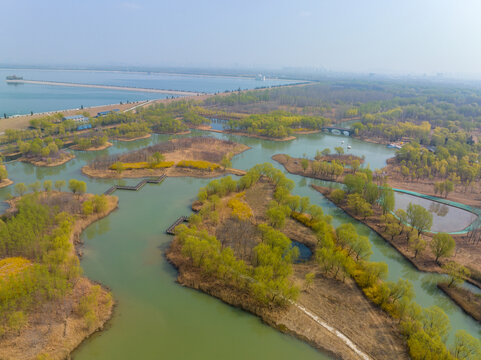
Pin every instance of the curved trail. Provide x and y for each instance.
(348, 342)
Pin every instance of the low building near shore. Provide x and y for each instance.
(82, 122)
(103, 113)
(78, 119)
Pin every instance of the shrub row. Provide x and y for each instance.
(198, 164)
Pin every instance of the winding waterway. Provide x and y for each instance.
(155, 317)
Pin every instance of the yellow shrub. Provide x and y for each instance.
(130, 166)
(13, 265)
(240, 209)
(144, 165)
(303, 218)
(391, 309)
(198, 164)
(373, 293)
(163, 164)
(137, 165)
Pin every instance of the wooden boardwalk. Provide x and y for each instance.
(171, 229)
(137, 187)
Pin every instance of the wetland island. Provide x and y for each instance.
(358, 245)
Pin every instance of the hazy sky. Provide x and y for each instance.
(407, 36)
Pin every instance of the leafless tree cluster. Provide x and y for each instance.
(89, 134)
(242, 236)
(63, 202)
(474, 236)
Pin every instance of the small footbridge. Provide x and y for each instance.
(137, 187)
(338, 130)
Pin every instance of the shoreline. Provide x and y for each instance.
(93, 148)
(5, 183)
(170, 172)
(426, 265)
(296, 169)
(21, 121)
(192, 280)
(463, 245)
(298, 319)
(41, 163)
(186, 132)
(306, 132)
(187, 151)
(369, 222)
(331, 315)
(240, 133)
(57, 335)
(108, 87)
(146, 136)
(426, 186)
(202, 75)
(462, 298)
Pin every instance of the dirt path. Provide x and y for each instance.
(332, 330)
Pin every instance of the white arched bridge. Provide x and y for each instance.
(338, 130)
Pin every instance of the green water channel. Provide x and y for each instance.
(155, 317)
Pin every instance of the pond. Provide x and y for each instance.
(445, 218)
(218, 124)
(304, 252)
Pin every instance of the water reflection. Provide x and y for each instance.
(98, 228)
(302, 182)
(445, 218)
(439, 209)
(304, 252)
(3, 207)
(430, 282)
(409, 274)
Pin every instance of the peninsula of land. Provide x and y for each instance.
(76, 307)
(242, 234)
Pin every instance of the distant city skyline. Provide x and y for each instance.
(387, 37)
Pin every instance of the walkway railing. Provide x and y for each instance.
(171, 229)
(137, 187)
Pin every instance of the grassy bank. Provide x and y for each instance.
(68, 308)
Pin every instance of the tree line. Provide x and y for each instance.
(340, 253)
(39, 232)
